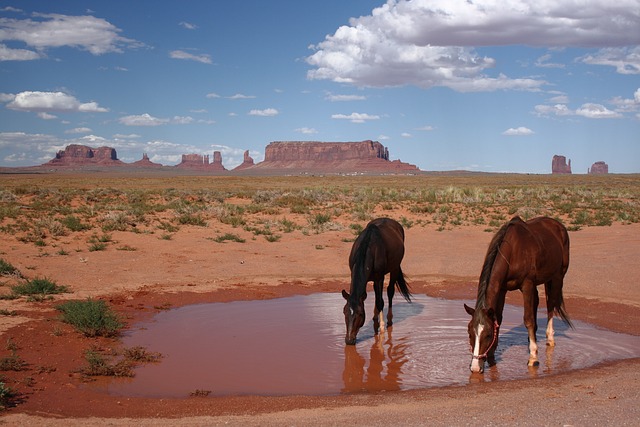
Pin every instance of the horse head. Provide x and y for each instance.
(483, 336)
(353, 316)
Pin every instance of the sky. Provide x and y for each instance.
(483, 85)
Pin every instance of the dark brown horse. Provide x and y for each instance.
(378, 250)
(521, 255)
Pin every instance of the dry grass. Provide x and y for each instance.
(82, 205)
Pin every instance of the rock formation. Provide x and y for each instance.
(76, 155)
(145, 162)
(599, 168)
(559, 165)
(247, 162)
(201, 162)
(331, 157)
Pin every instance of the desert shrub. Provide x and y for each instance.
(12, 363)
(74, 224)
(6, 396)
(141, 355)
(38, 286)
(6, 269)
(91, 317)
(228, 237)
(98, 365)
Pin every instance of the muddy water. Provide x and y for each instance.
(296, 345)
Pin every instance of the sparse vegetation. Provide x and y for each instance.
(38, 287)
(91, 317)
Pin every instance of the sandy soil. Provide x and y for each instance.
(601, 287)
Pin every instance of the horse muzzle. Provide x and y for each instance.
(477, 365)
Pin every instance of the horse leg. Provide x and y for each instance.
(491, 356)
(391, 290)
(378, 319)
(531, 299)
(551, 304)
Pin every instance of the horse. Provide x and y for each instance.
(378, 250)
(521, 255)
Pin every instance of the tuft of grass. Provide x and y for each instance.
(98, 366)
(7, 395)
(12, 363)
(91, 317)
(229, 237)
(140, 354)
(6, 269)
(200, 393)
(39, 286)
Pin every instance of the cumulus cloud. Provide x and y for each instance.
(48, 102)
(626, 60)
(44, 31)
(188, 25)
(9, 54)
(149, 120)
(588, 110)
(181, 54)
(431, 43)
(267, 112)
(519, 131)
(306, 131)
(340, 98)
(356, 117)
(241, 96)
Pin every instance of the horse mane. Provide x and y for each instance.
(360, 258)
(489, 260)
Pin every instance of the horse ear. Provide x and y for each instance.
(345, 295)
(469, 310)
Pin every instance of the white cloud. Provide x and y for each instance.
(519, 131)
(543, 62)
(89, 33)
(267, 112)
(431, 43)
(355, 117)
(46, 116)
(213, 95)
(149, 120)
(47, 102)
(406, 135)
(588, 110)
(306, 131)
(559, 99)
(626, 60)
(597, 111)
(340, 98)
(556, 110)
(240, 96)
(426, 128)
(636, 96)
(142, 120)
(181, 54)
(188, 25)
(8, 54)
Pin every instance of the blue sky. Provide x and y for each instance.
(444, 84)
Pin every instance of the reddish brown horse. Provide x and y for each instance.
(521, 255)
(378, 250)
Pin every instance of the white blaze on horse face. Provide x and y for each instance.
(475, 362)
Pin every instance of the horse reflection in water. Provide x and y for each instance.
(521, 256)
(378, 250)
(384, 370)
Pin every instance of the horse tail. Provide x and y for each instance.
(403, 286)
(358, 276)
(490, 258)
(560, 311)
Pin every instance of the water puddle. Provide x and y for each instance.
(296, 345)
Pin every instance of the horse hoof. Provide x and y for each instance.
(533, 363)
(551, 343)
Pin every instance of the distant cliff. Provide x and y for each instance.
(77, 155)
(599, 168)
(559, 165)
(331, 157)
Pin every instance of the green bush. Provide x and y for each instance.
(91, 317)
(39, 287)
(6, 269)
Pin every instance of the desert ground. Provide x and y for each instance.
(292, 235)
